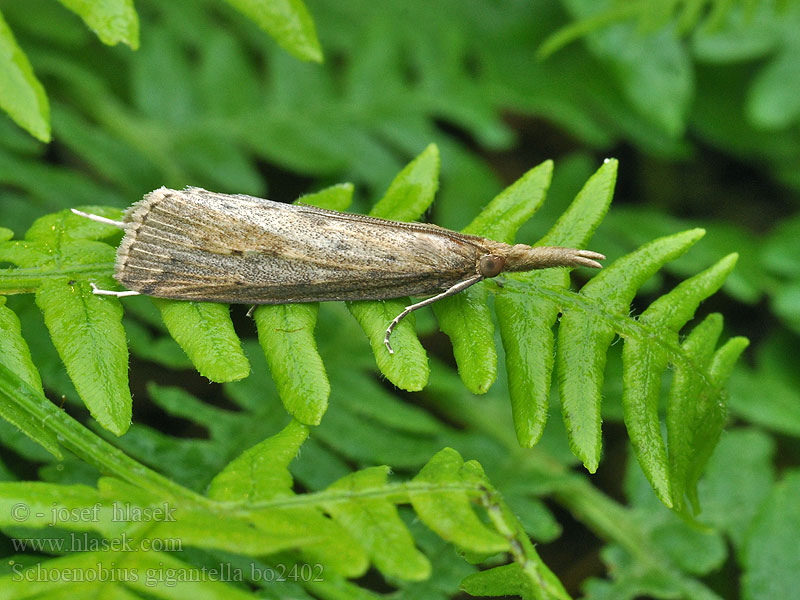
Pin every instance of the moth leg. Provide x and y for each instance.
(460, 286)
(251, 310)
(98, 292)
(98, 218)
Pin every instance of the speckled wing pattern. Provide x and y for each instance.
(198, 245)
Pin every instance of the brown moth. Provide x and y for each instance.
(194, 244)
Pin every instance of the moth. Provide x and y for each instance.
(193, 244)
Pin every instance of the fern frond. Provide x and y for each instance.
(289, 23)
(251, 509)
(590, 321)
(649, 14)
(54, 260)
(113, 22)
(640, 44)
(585, 335)
(116, 21)
(22, 96)
(526, 325)
(61, 253)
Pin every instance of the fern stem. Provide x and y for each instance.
(584, 27)
(26, 280)
(86, 445)
(397, 493)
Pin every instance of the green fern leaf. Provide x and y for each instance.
(55, 258)
(687, 400)
(408, 197)
(526, 322)
(389, 545)
(449, 514)
(286, 333)
(113, 21)
(88, 334)
(262, 472)
(711, 414)
(335, 197)
(21, 94)
(411, 193)
(409, 371)
(507, 580)
(288, 21)
(205, 332)
(644, 363)
(585, 335)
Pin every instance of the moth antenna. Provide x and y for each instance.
(460, 286)
(98, 218)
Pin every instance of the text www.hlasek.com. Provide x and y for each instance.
(84, 542)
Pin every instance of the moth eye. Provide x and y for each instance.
(491, 265)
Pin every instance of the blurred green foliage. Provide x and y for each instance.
(698, 99)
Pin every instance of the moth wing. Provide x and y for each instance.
(194, 244)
